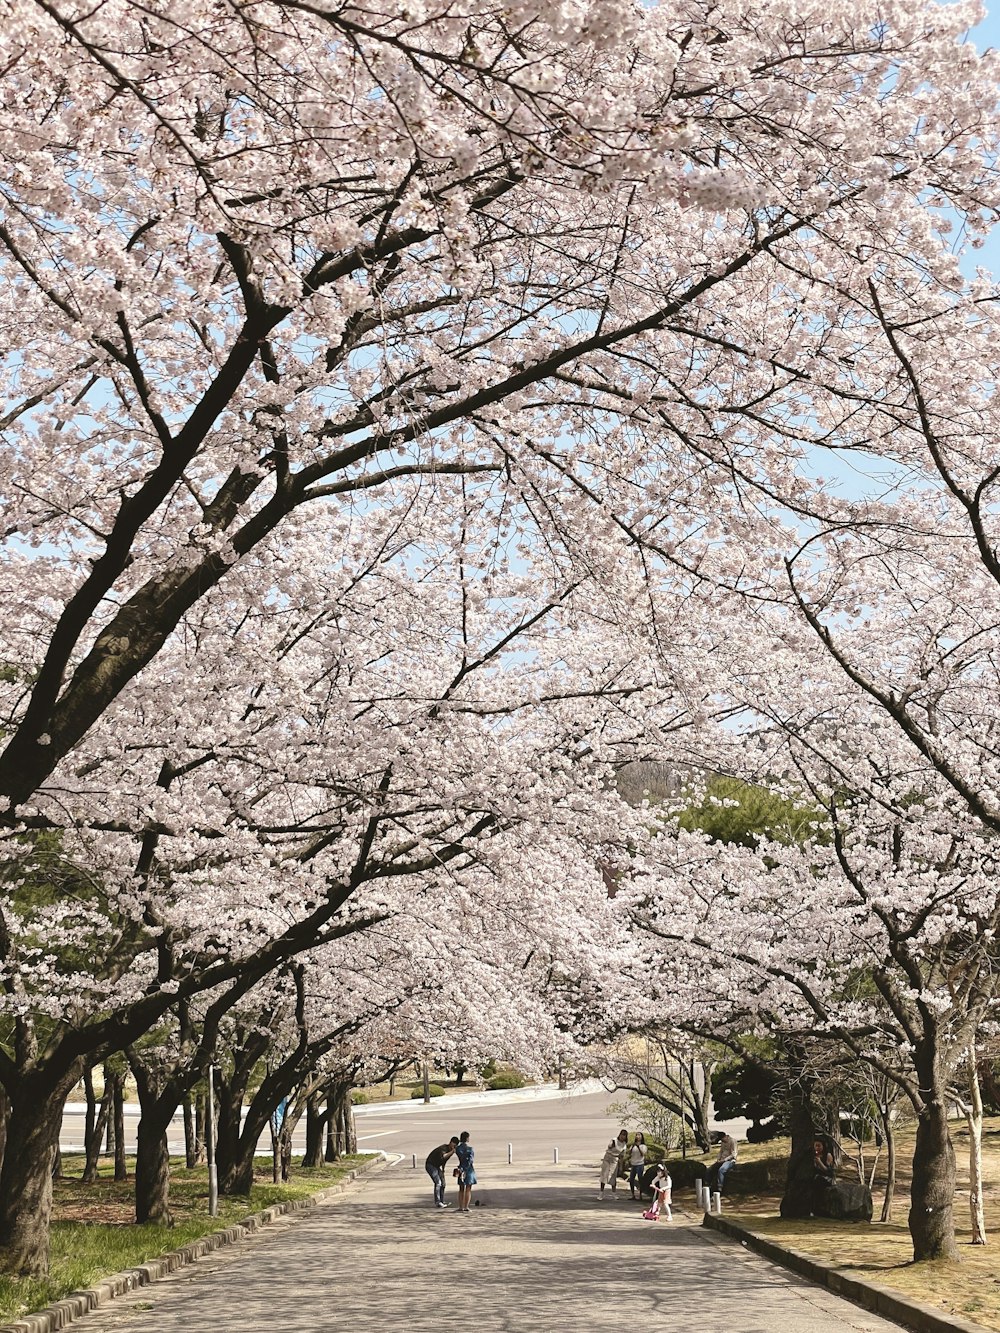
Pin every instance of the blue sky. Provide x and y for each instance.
(988, 34)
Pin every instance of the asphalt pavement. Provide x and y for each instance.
(543, 1253)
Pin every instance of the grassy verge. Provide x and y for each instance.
(882, 1252)
(93, 1235)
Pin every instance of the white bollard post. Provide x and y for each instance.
(717, 1203)
(555, 1156)
(510, 1153)
(697, 1191)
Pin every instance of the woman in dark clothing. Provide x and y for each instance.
(823, 1171)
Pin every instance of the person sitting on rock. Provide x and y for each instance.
(724, 1163)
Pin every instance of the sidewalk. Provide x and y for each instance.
(543, 1255)
(455, 1101)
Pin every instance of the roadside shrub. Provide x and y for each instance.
(507, 1078)
(435, 1090)
(746, 1177)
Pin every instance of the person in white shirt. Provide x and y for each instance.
(662, 1187)
(724, 1163)
(611, 1160)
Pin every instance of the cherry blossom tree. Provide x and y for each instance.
(419, 743)
(285, 254)
(367, 375)
(876, 934)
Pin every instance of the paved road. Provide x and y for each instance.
(543, 1255)
(577, 1126)
(410, 1120)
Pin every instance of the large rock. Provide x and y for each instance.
(844, 1201)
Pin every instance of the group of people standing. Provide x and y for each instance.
(620, 1154)
(464, 1173)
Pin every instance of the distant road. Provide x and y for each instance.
(576, 1124)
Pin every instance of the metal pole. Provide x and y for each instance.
(414, 1161)
(213, 1173)
(510, 1153)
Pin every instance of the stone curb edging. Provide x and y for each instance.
(79, 1303)
(870, 1295)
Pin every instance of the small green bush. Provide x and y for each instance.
(754, 1177)
(435, 1090)
(507, 1078)
(359, 1098)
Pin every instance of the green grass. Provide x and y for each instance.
(92, 1236)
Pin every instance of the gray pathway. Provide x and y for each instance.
(543, 1254)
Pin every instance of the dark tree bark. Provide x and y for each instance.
(313, 1156)
(95, 1138)
(230, 1150)
(158, 1100)
(263, 1104)
(118, 1108)
(36, 1110)
(331, 1143)
(797, 1199)
(90, 1117)
(4, 1118)
(285, 1142)
(190, 1135)
(932, 1192)
(152, 1171)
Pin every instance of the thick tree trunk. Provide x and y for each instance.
(26, 1177)
(190, 1135)
(313, 1155)
(228, 1158)
(152, 1171)
(90, 1118)
(797, 1199)
(931, 1219)
(159, 1097)
(4, 1118)
(331, 1143)
(238, 1177)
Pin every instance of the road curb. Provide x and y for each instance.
(870, 1295)
(78, 1303)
